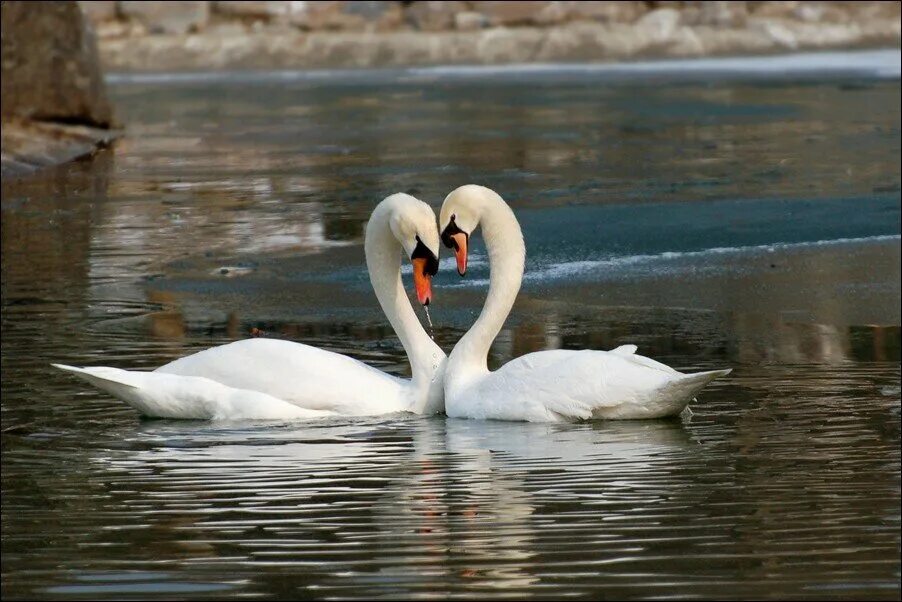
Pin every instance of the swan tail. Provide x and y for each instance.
(161, 395)
(668, 399)
(133, 389)
(679, 392)
(112, 380)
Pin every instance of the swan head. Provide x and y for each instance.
(459, 217)
(412, 223)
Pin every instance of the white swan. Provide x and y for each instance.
(273, 379)
(547, 385)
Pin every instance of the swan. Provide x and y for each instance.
(545, 386)
(275, 379)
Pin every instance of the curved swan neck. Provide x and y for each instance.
(507, 255)
(383, 262)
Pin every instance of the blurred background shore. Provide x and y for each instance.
(55, 53)
(166, 36)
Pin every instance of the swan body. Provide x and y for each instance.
(272, 379)
(546, 386)
(300, 374)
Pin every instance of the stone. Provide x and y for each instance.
(778, 32)
(255, 9)
(50, 69)
(614, 12)
(660, 23)
(175, 17)
(119, 29)
(227, 28)
(510, 13)
(98, 11)
(553, 13)
(470, 21)
(717, 14)
(776, 8)
(354, 16)
(434, 16)
(30, 146)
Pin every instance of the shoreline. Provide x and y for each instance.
(581, 42)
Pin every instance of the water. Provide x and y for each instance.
(429, 325)
(743, 222)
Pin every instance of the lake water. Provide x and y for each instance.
(750, 221)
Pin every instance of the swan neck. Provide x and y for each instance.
(507, 255)
(383, 260)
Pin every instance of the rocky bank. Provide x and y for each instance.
(163, 36)
(54, 106)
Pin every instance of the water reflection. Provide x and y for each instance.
(462, 500)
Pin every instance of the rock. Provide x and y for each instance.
(434, 16)
(775, 8)
(718, 14)
(50, 69)
(879, 11)
(510, 13)
(355, 16)
(376, 15)
(615, 12)
(119, 29)
(660, 23)
(553, 13)
(30, 146)
(777, 31)
(227, 28)
(98, 11)
(470, 21)
(175, 17)
(255, 9)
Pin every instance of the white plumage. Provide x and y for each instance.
(545, 386)
(275, 379)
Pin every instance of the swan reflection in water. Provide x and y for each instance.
(422, 502)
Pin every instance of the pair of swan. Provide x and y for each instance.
(275, 379)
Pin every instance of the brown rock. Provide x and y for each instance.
(510, 13)
(470, 21)
(614, 12)
(433, 16)
(660, 23)
(354, 16)
(119, 29)
(100, 10)
(50, 69)
(177, 16)
(29, 146)
(718, 14)
(775, 8)
(254, 9)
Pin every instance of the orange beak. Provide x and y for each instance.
(460, 252)
(422, 281)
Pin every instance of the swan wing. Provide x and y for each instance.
(300, 374)
(160, 395)
(625, 350)
(555, 385)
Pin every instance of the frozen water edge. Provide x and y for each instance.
(880, 64)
